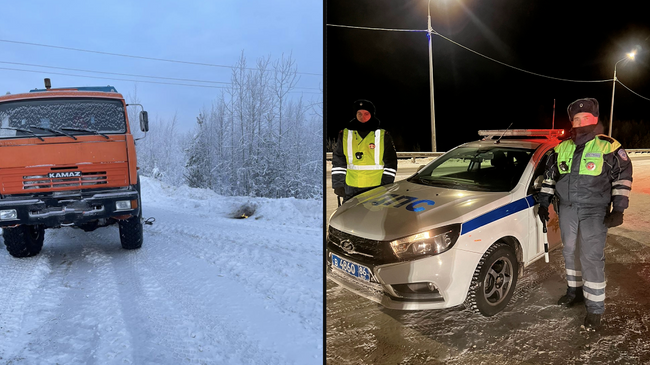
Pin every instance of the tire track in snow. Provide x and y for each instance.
(73, 310)
(193, 322)
(162, 305)
(224, 247)
(19, 283)
(164, 333)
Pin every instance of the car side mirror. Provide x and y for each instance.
(537, 184)
(144, 121)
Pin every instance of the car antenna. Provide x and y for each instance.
(504, 133)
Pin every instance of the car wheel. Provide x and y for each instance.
(494, 280)
(24, 240)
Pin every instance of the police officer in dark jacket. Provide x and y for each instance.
(591, 174)
(364, 156)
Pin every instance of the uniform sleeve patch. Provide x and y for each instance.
(621, 152)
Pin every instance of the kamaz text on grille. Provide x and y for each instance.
(64, 174)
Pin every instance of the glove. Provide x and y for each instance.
(340, 191)
(613, 219)
(543, 214)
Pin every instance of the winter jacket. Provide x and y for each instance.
(589, 170)
(361, 133)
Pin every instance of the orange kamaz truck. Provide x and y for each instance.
(67, 159)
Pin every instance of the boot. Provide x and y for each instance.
(572, 296)
(592, 321)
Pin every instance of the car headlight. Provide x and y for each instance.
(431, 242)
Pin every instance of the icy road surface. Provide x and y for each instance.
(531, 330)
(203, 289)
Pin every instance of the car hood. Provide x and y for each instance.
(401, 209)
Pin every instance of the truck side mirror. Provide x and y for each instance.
(144, 121)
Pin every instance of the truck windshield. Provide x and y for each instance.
(496, 169)
(45, 117)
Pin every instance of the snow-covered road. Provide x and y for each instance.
(531, 330)
(204, 289)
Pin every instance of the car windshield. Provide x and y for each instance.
(47, 117)
(496, 169)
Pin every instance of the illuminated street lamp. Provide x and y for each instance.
(433, 112)
(611, 112)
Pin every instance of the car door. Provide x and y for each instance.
(536, 243)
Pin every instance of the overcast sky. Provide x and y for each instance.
(212, 32)
(560, 39)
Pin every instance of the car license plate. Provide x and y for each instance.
(351, 268)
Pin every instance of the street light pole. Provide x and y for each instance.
(433, 113)
(611, 111)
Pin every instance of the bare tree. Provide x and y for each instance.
(257, 139)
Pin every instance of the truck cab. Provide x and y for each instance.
(67, 159)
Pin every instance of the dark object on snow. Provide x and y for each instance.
(244, 211)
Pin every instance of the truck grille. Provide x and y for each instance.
(45, 182)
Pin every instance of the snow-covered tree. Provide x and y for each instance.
(258, 138)
(199, 165)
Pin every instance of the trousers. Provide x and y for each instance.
(584, 236)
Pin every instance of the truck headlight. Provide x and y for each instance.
(123, 205)
(8, 215)
(431, 242)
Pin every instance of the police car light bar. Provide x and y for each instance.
(548, 133)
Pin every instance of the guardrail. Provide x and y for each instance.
(408, 155)
(405, 155)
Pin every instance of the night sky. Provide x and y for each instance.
(570, 40)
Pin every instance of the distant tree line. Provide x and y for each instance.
(255, 140)
(632, 134)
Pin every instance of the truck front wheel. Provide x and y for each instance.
(131, 229)
(24, 240)
(131, 232)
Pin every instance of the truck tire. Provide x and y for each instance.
(494, 281)
(24, 240)
(131, 235)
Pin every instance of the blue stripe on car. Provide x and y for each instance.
(496, 214)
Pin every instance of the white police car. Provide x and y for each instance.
(459, 231)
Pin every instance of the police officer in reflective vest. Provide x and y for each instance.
(364, 156)
(591, 174)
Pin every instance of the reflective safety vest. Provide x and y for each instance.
(365, 158)
(592, 157)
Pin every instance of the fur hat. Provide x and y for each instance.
(586, 105)
(364, 105)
